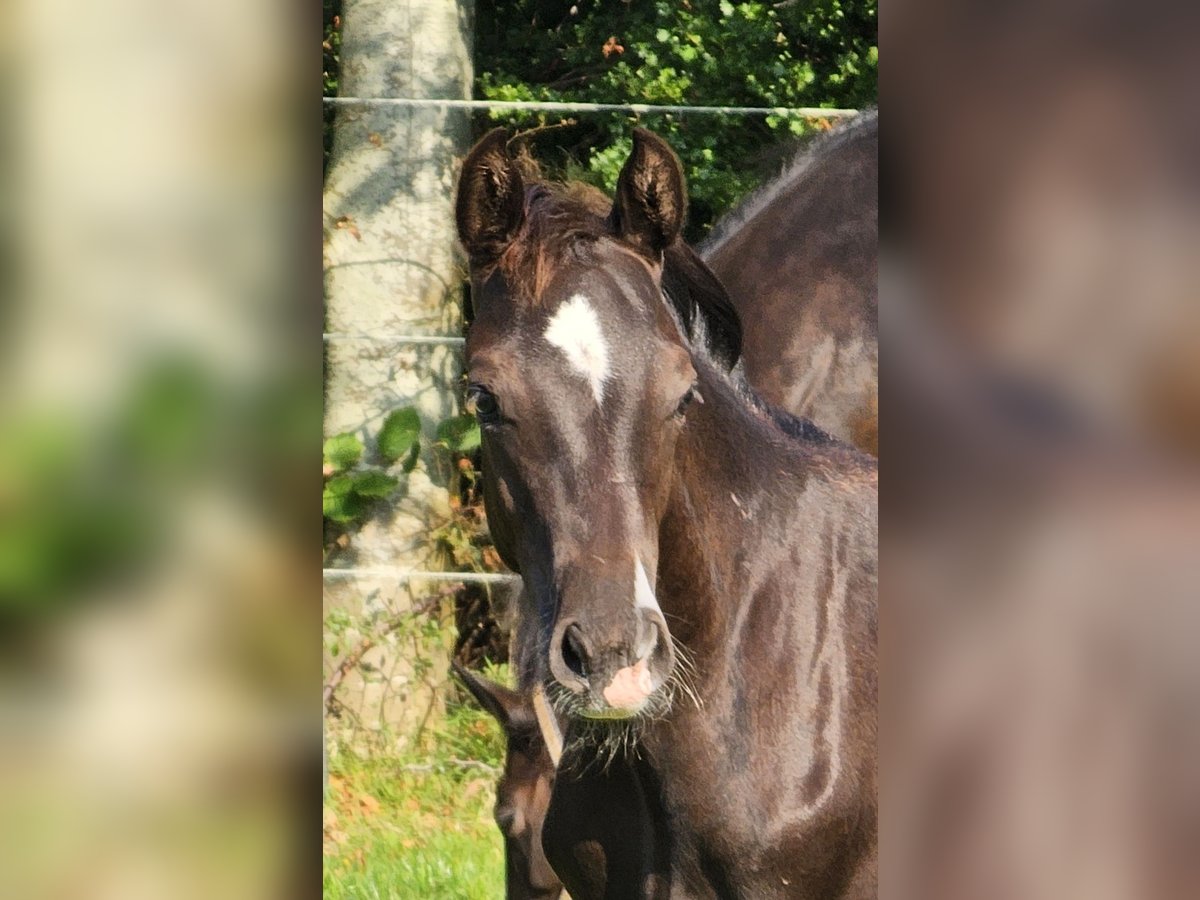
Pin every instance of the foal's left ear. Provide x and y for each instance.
(491, 198)
(651, 197)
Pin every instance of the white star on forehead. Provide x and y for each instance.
(575, 330)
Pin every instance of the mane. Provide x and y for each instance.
(810, 152)
(559, 220)
(796, 436)
(795, 429)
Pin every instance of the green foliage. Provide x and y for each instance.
(331, 64)
(817, 53)
(355, 489)
(352, 490)
(87, 501)
(342, 451)
(460, 434)
(68, 518)
(337, 623)
(374, 484)
(400, 436)
(331, 46)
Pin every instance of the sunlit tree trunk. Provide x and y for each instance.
(391, 269)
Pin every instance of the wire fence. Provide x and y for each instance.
(384, 338)
(398, 574)
(638, 109)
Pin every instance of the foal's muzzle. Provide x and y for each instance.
(615, 672)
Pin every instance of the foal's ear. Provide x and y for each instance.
(651, 197)
(491, 198)
(505, 705)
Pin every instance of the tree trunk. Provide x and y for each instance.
(391, 268)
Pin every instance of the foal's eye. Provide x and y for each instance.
(482, 403)
(686, 400)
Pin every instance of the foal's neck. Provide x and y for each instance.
(726, 481)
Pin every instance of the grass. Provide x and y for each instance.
(418, 825)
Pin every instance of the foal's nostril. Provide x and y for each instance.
(569, 656)
(574, 652)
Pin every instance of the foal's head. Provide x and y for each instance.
(581, 377)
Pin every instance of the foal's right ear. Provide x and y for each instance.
(491, 198)
(505, 705)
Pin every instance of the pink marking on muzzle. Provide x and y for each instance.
(630, 686)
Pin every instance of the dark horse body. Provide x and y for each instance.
(800, 261)
(651, 507)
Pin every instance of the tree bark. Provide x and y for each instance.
(392, 268)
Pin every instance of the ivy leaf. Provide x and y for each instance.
(341, 506)
(342, 451)
(339, 486)
(374, 484)
(410, 461)
(459, 433)
(400, 434)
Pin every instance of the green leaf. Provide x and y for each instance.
(460, 433)
(401, 431)
(410, 461)
(342, 451)
(343, 508)
(374, 483)
(339, 486)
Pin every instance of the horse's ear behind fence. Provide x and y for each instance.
(491, 198)
(651, 200)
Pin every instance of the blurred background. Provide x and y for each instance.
(1039, 308)
(160, 409)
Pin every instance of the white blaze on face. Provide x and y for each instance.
(575, 330)
(632, 686)
(643, 594)
(643, 598)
